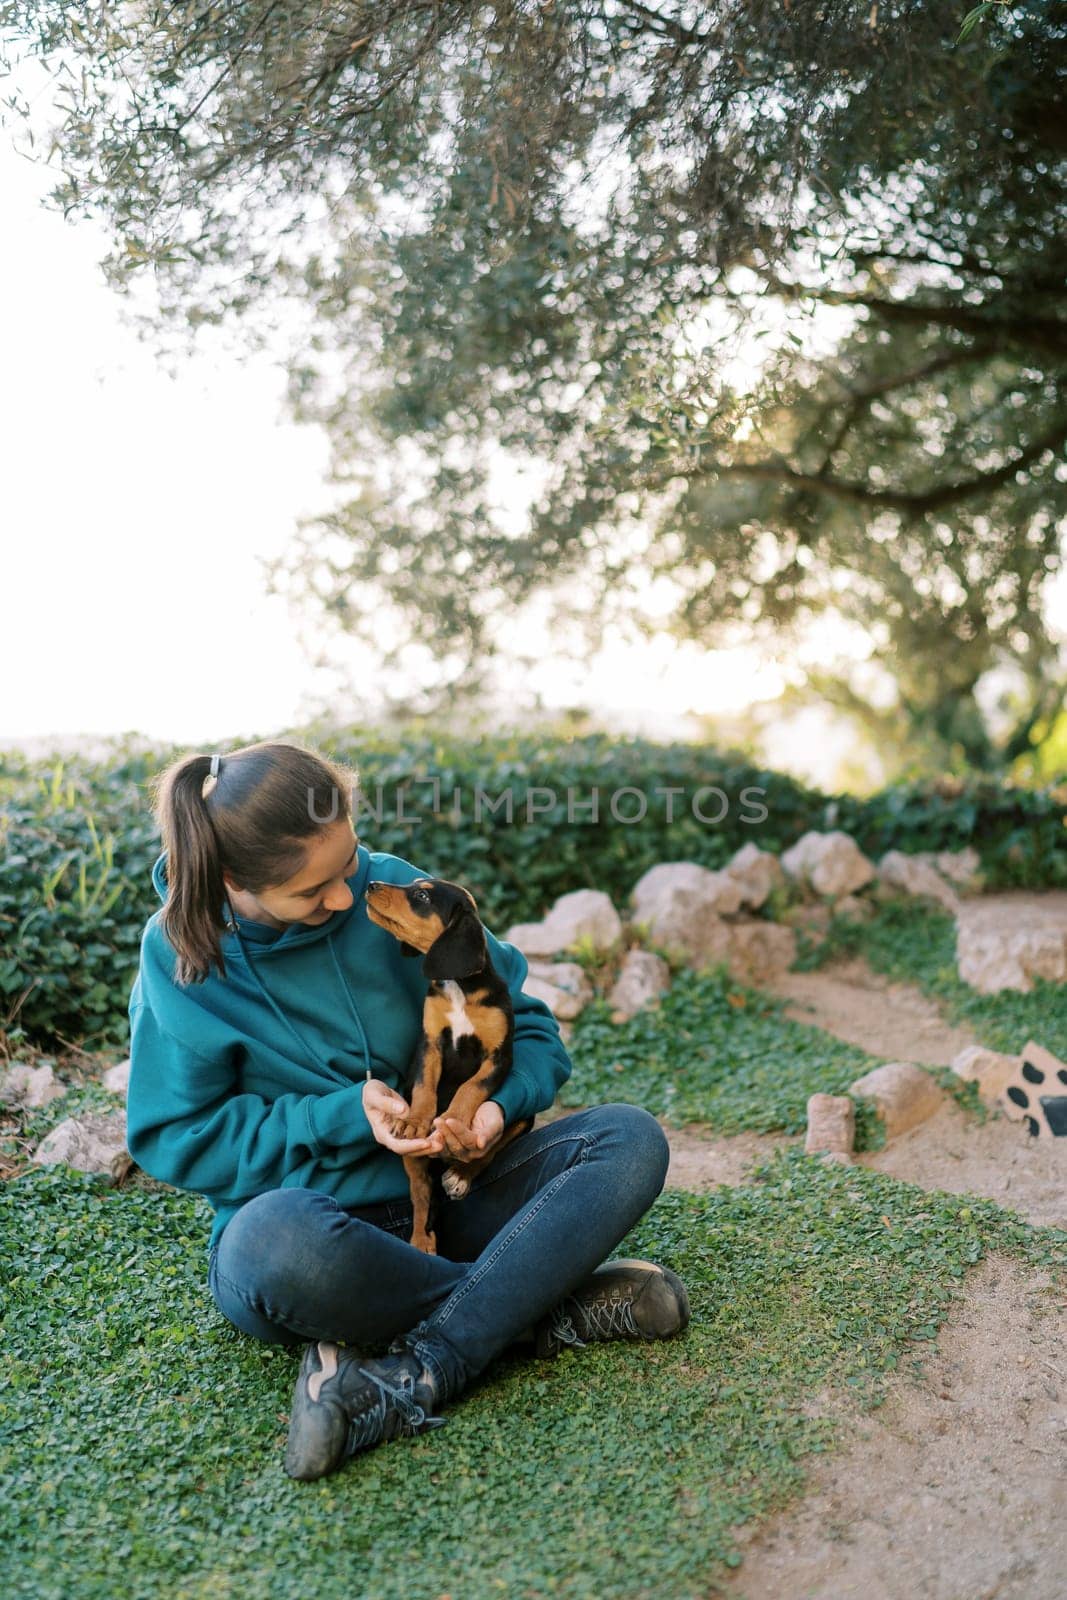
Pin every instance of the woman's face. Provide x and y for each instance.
(313, 894)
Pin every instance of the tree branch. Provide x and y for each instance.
(670, 27)
(889, 499)
(859, 398)
(1054, 283)
(1047, 332)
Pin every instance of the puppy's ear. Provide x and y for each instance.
(409, 949)
(460, 951)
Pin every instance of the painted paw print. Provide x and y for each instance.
(1037, 1095)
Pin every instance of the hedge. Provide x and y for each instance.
(77, 840)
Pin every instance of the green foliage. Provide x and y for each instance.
(79, 841)
(74, 841)
(553, 841)
(552, 229)
(717, 1052)
(1018, 832)
(976, 15)
(141, 1436)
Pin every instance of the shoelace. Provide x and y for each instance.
(368, 1427)
(612, 1319)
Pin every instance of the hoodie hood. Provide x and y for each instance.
(264, 940)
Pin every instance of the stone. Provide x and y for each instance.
(916, 875)
(759, 952)
(700, 939)
(961, 867)
(904, 1095)
(89, 1143)
(999, 961)
(756, 872)
(831, 1125)
(815, 918)
(585, 914)
(682, 906)
(989, 1069)
(27, 1088)
(557, 1000)
(534, 939)
(718, 892)
(562, 985)
(642, 978)
(1006, 941)
(117, 1078)
(830, 863)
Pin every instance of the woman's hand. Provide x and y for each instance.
(468, 1144)
(384, 1109)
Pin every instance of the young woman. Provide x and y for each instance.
(264, 999)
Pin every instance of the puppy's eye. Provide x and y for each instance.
(420, 897)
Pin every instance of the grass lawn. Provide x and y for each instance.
(141, 1436)
(719, 1053)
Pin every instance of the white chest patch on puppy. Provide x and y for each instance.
(458, 1019)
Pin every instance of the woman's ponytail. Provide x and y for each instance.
(253, 819)
(195, 887)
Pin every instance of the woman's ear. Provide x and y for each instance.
(460, 951)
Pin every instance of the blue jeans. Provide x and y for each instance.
(292, 1265)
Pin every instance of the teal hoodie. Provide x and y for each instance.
(254, 1081)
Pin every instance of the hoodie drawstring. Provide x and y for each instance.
(356, 1018)
(280, 1014)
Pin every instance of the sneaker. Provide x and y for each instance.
(621, 1300)
(344, 1403)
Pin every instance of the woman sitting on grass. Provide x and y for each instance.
(265, 996)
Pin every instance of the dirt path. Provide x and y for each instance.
(701, 1160)
(998, 1159)
(893, 1020)
(956, 1487)
(951, 1151)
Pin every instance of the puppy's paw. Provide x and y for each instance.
(413, 1128)
(456, 1184)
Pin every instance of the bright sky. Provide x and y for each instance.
(137, 508)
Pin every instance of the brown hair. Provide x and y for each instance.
(254, 821)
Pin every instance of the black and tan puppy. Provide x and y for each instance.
(464, 1054)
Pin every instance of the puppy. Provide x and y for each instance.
(464, 1053)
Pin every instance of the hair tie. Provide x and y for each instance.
(216, 762)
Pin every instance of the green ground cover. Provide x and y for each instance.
(718, 1053)
(141, 1436)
